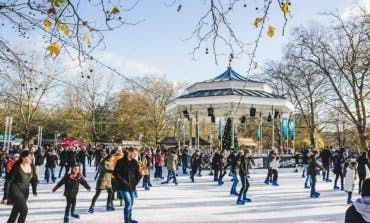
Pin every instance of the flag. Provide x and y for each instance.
(182, 131)
(259, 133)
(284, 127)
(220, 129)
(292, 129)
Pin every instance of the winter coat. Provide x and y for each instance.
(245, 164)
(349, 179)
(359, 212)
(104, 181)
(63, 158)
(9, 165)
(362, 162)
(127, 174)
(305, 156)
(71, 184)
(38, 157)
(313, 166)
(196, 160)
(275, 164)
(338, 160)
(270, 158)
(326, 157)
(81, 156)
(159, 160)
(172, 162)
(233, 161)
(51, 160)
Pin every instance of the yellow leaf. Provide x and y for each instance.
(47, 24)
(285, 8)
(54, 49)
(271, 31)
(63, 28)
(257, 22)
(87, 40)
(115, 10)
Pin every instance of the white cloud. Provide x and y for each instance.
(130, 66)
(355, 8)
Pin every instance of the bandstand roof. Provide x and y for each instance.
(229, 94)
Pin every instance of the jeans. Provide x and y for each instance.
(184, 164)
(158, 172)
(245, 186)
(128, 197)
(84, 168)
(50, 172)
(308, 180)
(200, 170)
(235, 181)
(305, 166)
(313, 184)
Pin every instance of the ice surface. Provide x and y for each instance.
(202, 201)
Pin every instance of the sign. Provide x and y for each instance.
(2, 137)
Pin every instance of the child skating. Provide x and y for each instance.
(349, 180)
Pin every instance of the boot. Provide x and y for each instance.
(127, 220)
(314, 195)
(150, 185)
(240, 202)
(91, 210)
(270, 180)
(342, 188)
(328, 180)
(247, 200)
(215, 179)
(146, 186)
(220, 182)
(110, 207)
(66, 220)
(349, 201)
(267, 181)
(335, 187)
(306, 186)
(296, 171)
(317, 194)
(74, 215)
(274, 183)
(132, 220)
(233, 192)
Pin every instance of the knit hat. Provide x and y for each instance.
(366, 188)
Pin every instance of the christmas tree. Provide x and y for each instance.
(226, 138)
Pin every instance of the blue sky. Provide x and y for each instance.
(157, 46)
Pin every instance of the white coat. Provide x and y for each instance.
(349, 179)
(274, 164)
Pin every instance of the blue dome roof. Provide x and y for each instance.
(231, 75)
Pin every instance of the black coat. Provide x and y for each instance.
(127, 174)
(39, 159)
(352, 216)
(338, 160)
(17, 183)
(71, 186)
(362, 162)
(51, 160)
(326, 157)
(245, 164)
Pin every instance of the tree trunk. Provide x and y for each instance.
(362, 138)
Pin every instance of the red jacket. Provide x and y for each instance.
(10, 165)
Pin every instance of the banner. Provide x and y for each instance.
(259, 133)
(220, 129)
(284, 127)
(182, 131)
(292, 129)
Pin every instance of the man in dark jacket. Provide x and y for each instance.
(362, 162)
(312, 171)
(127, 176)
(51, 162)
(326, 159)
(184, 160)
(81, 158)
(245, 164)
(196, 161)
(359, 212)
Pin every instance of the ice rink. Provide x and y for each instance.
(202, 201)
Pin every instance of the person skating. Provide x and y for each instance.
(275, 164)
(312, 171)
(296, 161)
(221, 165)
(9, 165)
(245, 164)
(159, 163)
(71, 184)
(326, 158)
(362, 162)
(104, 182)
(233, 160)
(117, 156)
(184, 160)
(270, 158)
(349, 180)
(359, 212)
(16, 187)
(338, 161)
(144, 167)
(172, 160)
(305, 154)
(51, 162)
(62, 161)
(196, 161)
(128, 176)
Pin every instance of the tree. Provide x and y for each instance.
(341, 53)
(227, 136)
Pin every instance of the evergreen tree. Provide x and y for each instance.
(226, 138)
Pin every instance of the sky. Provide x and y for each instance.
(158, 46)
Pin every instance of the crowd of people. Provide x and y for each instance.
(119, 170)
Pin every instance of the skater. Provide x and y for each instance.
(359, 212)
(338, 161)
(171, 167)
(305, 153)
(312, 170)
(233, 159)
(349, 180)
(362, 162)
(215, 158)
(195, 162)
(104, 182)
(81, 158)
(296, 160)
(62, 161)
(221, 165)
(144, 168)
(245, 164)
(71, 184)
(128, 176)
(184, 160)
(159, 163)
(275, 164)
(270, 158)
(51, 162)
(117, 156)
(16, 188)
(326, 158)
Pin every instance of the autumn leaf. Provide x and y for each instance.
(285, 8)
(258, 21)
(54, 49)
(271, 31)
(63, 28)
(87, 40)
(47, 24)
(115, 10)
(57, 3)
